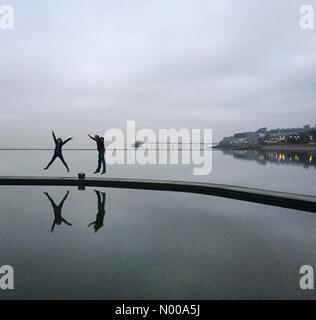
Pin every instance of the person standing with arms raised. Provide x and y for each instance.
(101, 150)
(58, 153)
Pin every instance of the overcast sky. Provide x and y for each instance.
(82, 67)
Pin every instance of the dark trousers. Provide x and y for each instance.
(101, 162)
(60, 156)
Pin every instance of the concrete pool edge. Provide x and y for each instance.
(267, 197)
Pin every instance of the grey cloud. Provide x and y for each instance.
(82, 65)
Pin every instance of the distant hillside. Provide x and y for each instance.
(264, 137)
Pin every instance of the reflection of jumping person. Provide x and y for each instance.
(57, 211)
(101, 150)
(58, 153)
(98, 224)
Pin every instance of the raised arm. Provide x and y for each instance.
(91, 224)
(53, 226)
(67, 140)
(66, 222)
(92, 138)
(53, 133)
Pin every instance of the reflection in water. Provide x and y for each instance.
(302, 158)
(174, 245)
(57, 211)
(98, 223)
(58, 218)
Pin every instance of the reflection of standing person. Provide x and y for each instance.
(101, 150)
(98, 224)
(58, 153)
(57, 211)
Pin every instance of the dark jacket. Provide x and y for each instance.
(100, 144)
(59, 146)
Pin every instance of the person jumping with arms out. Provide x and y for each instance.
(58, 153)
(57, 211)
(101, 150)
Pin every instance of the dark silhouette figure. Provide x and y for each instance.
(57, 211)
(58, 153)
(98, 224)
(101, 151)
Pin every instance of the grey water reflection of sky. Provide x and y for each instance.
(152, 245)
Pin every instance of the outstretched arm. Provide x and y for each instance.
(53, 133)
(67, 140)
(92, 138)
(65, 221)
(53, 226)
(91, 224)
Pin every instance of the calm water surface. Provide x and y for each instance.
(284, 171)
(133, 244)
